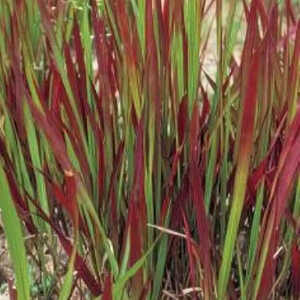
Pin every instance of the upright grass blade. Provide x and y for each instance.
(193, 16)
(198, 201)
(296, 269)
(240, 182)
(15, 238)
(107, 293)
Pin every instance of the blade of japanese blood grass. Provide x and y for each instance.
(288, 169)
(224, 172)
(250, 43)
(85, 30)
(107, 293)
(254, 235)
(161, 263)
(36, 160)
(182, 119)
(20, 205)
(177, 64)
(149, 204)
(296, 269)
(210, 172)
(112, 194)
(294, 78)
(153, 109)
(212, 153)
(152, 68)
(102, 171)
(71, 73)
(125, 255)
(240, 182)
(218, 98)
(80, 59)
(161, 28)
(198, 202)
(137, 208)
(139, 8)
(14, 55)
(33, 22)
(193, 11)
(217, 102)
(15, 239)
(136, 249)
(231, 31)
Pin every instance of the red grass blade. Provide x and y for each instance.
(182, 119)
(107, 293)
(296, 269)
(137, 206)
(198, 201)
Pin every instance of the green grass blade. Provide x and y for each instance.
(15, 239)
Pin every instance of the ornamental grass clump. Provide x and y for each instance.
(151, 149)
